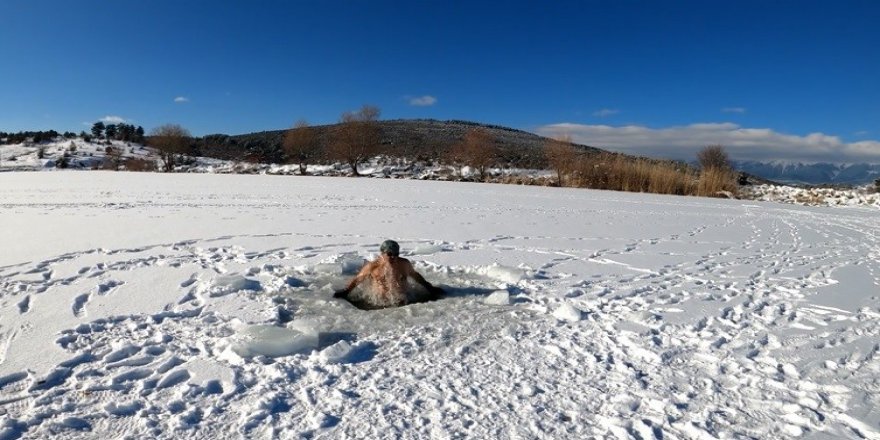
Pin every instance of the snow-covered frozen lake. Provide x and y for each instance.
(148, 305)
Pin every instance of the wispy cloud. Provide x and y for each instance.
(181, 99)
(606, 112)
(113, 120)
(683, 142)
(739, 110)
(422, 101)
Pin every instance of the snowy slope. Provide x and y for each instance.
(81, 154)
(148, 305)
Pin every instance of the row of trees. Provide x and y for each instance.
(357, 138)
(31, 136)
(119, 132)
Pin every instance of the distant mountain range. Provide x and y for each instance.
(815, 173)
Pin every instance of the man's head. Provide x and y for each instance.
(390, 248)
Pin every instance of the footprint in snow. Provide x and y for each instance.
(123, 409)
(106, 287)
(121, 353)
(79, 305)
(24, 305)
(192, 280)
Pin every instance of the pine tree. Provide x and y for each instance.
(110, 131)
(98, 129)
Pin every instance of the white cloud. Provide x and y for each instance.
(605, 112)
(739, 110)
(181, 99)
(423, 101)
(683, 142)
(113, 120)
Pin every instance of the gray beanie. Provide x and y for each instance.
(390, 247)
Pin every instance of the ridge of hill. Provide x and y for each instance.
(412, 138)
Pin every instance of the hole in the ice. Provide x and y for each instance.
(325, 278)
(364, 300)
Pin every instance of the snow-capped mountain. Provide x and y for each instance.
(815, 173)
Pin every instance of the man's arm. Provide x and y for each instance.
(411, 272)
(360, 277)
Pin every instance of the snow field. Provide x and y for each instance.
(149, 305)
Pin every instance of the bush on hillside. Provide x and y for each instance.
(717, 182)
(136, 164)
(622, 173)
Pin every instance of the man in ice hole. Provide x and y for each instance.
(389, 280)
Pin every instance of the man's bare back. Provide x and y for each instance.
(388, 275)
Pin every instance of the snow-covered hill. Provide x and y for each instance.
(78, 154)
(146, 305)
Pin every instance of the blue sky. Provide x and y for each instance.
(781, 79)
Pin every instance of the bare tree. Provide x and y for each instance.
(716, 173)
(478, 150)
(171, 140)
(561, 156)
(357, 138)
(714, 157)
(113, 159)
(301, 144)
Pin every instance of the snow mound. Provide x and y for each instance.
(340, 265)
(505, 274)
(498, 298)
(234, 282)
(568, 312)
(344, 352)
(336, 353)
(271, 341)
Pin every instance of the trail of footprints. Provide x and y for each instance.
(758, 302)
(721, 352)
